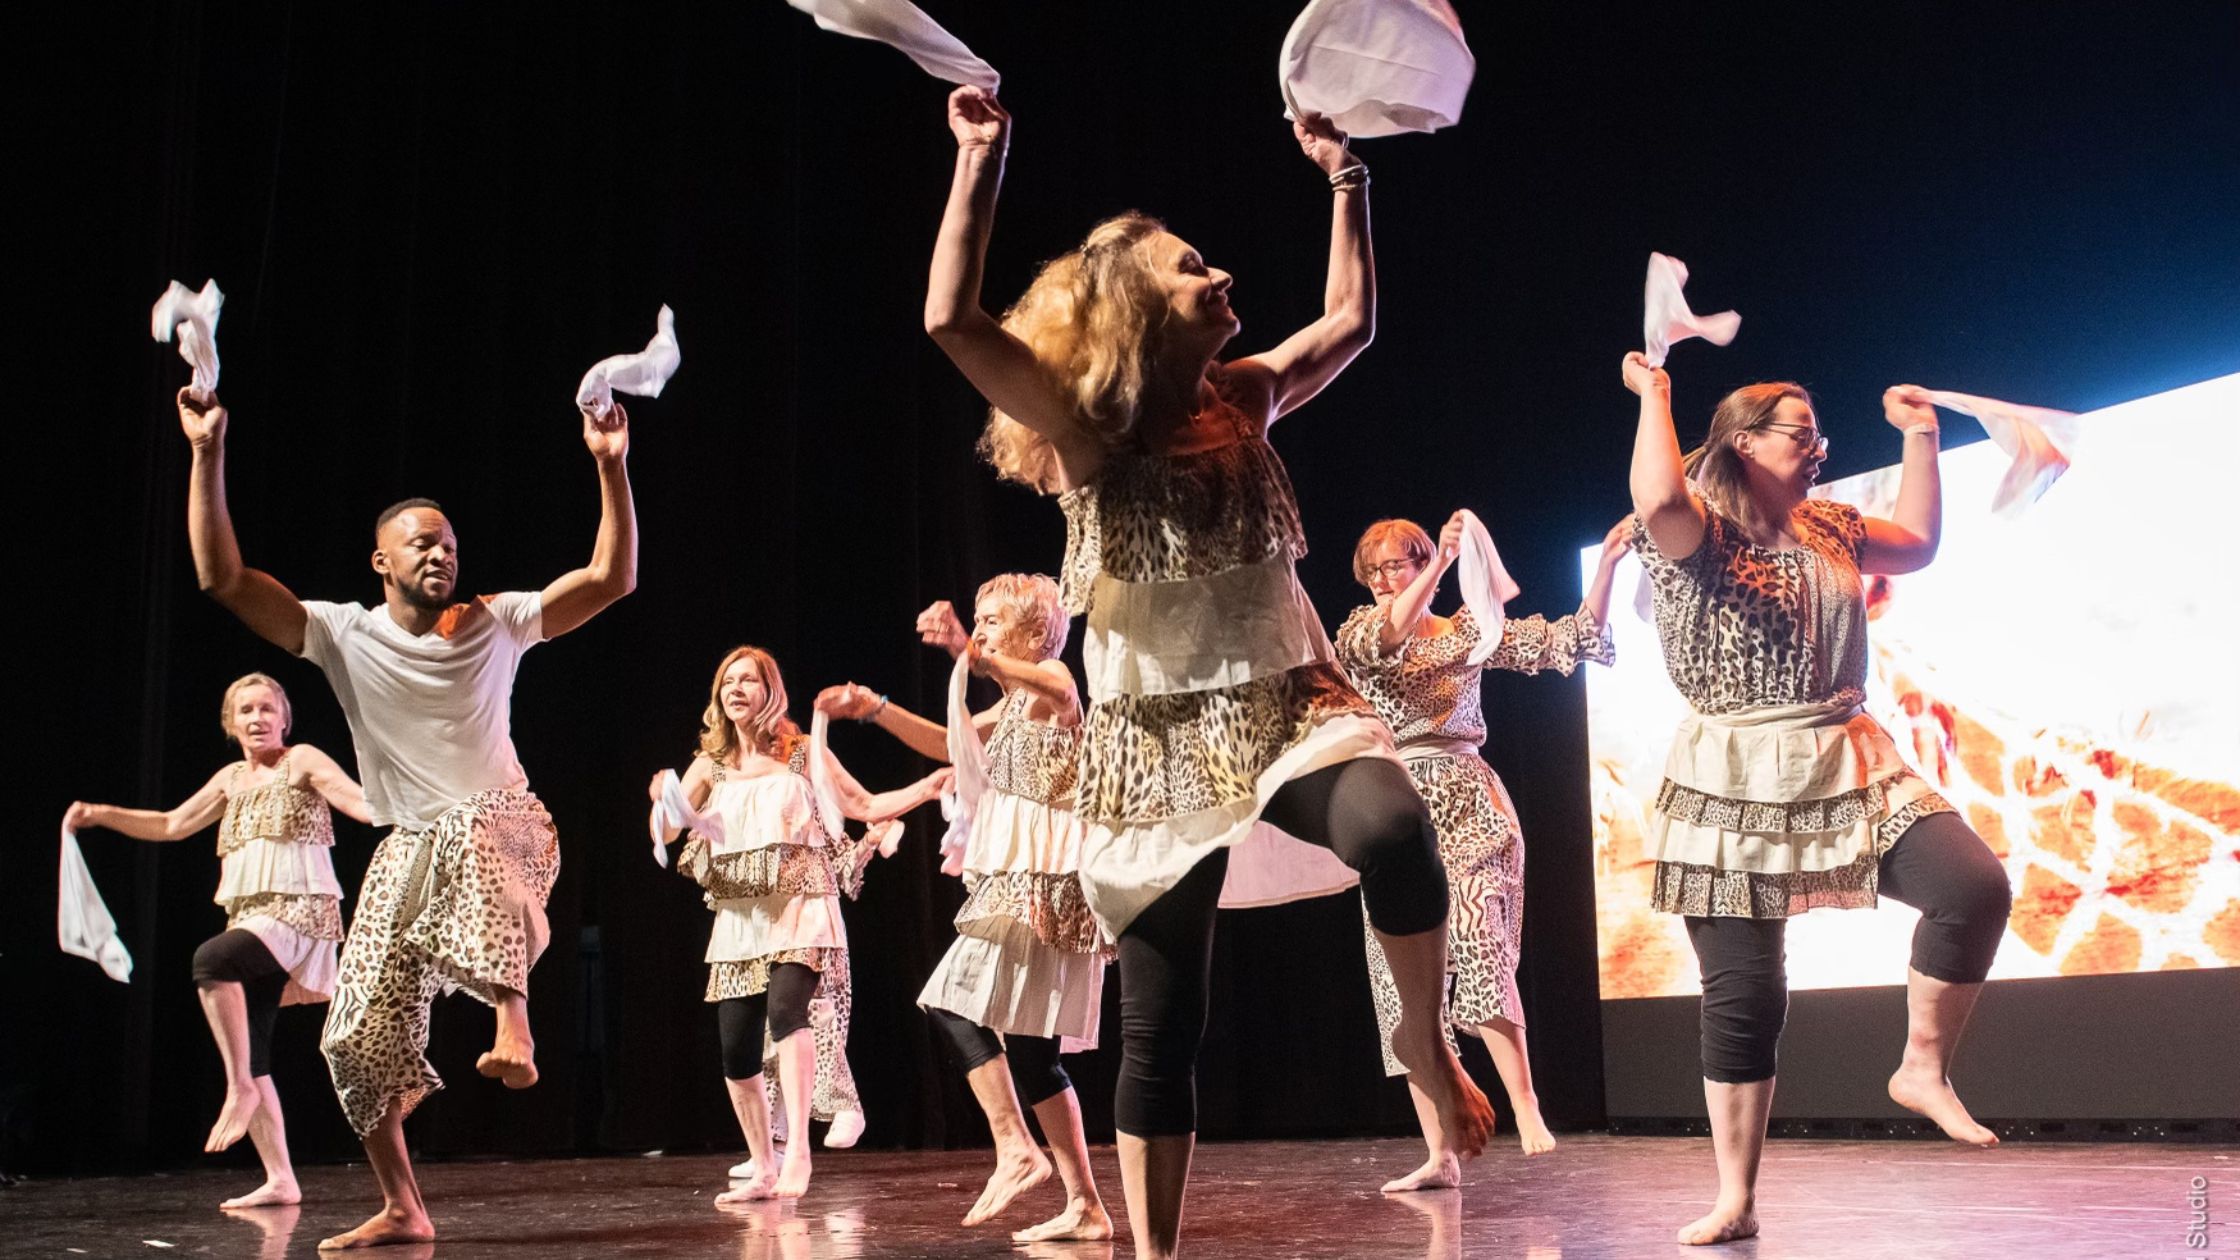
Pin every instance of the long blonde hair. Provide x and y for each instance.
(772, 730)
(1715, 466)
(280, 693)
(1092, 318)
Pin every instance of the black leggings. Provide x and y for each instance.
(238, 957)
(1036, 1073)
(1366, 811)
(1938, 866)
(739, 1020)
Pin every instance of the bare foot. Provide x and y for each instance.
(1532, 1132)
(793, 1175)
(386, 1229)
(1926, 1091)
(512, 1059)
(275, 1192)
(1724, 1223)
(846, 1131)
(240, 1108)
(748, 1170)
(1082, 1221)
(756, 1190)
(1464, 1114)
(1440, 1172)
(1015, 1174)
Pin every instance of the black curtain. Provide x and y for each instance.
(430, 218)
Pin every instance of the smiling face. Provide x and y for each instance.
(1199, 317)
(417, 555)
(998, 627)
(1388, 555)
(742, 693)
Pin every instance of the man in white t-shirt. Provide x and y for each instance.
(454, 898)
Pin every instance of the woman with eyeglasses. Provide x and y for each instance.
(1215, 701)
(1781, 795)
(1415, 666)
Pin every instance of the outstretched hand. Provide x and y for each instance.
(203, 420)
(848, 700)
(1322, 142)
(977, 121)
(608, 434)
(78, 817)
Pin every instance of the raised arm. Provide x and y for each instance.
(1309, 359)
(998, 364)
(1410, 606)
(1048, 681)
(578, 596)
(1659, 479)
(866, 806)
(861, 704)
(1908, 539)
(1615, 545)
(253, 595)
(330, 780)
(188, 817)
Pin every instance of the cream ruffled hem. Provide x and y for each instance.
(1013, 983)
(311, 964)
(1125, 868)
(276, 866)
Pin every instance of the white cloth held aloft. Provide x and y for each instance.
(820, 778)
(905, 27)
(674, 812)
(194, 316)
(1666, 319)
(2029, 437)
(1486, 586)
(642, 374)
(970, 760)
(1377, 67)
(82, 923)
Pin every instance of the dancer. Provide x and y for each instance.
(1025, 977)
(1214, 699)
(454, 898)
(773, 871)
(1781, 794)
(274, 810)
(1414, 666)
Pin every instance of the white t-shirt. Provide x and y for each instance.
(431, 714)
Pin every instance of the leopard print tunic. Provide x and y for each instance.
(1427, 690)
(1745, 628)
(278, 812)
(1171, 518)
(1035, 761)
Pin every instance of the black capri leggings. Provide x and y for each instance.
(238, 957)
(1366, 811)
(1036, 1073)
(1939, 866)
(739, 1020)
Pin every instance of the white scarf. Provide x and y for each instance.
(1666, 319)
(642, 374)
(195, 317)
(970, 760)
(1376, 67)
(1486, 586)
(904, 26)
(2028, 436)
(82, 923)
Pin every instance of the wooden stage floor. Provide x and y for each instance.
(1596, 1195)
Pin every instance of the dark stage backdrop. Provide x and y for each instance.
(430, 218)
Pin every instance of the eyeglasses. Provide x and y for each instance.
(1392, 569)
(1808, 438)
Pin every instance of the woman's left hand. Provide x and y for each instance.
(1618, 541)
(1450, 539)
(1908, 407)
(1323, 143)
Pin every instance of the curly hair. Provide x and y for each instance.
(1033, 598)
(1091, 317)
